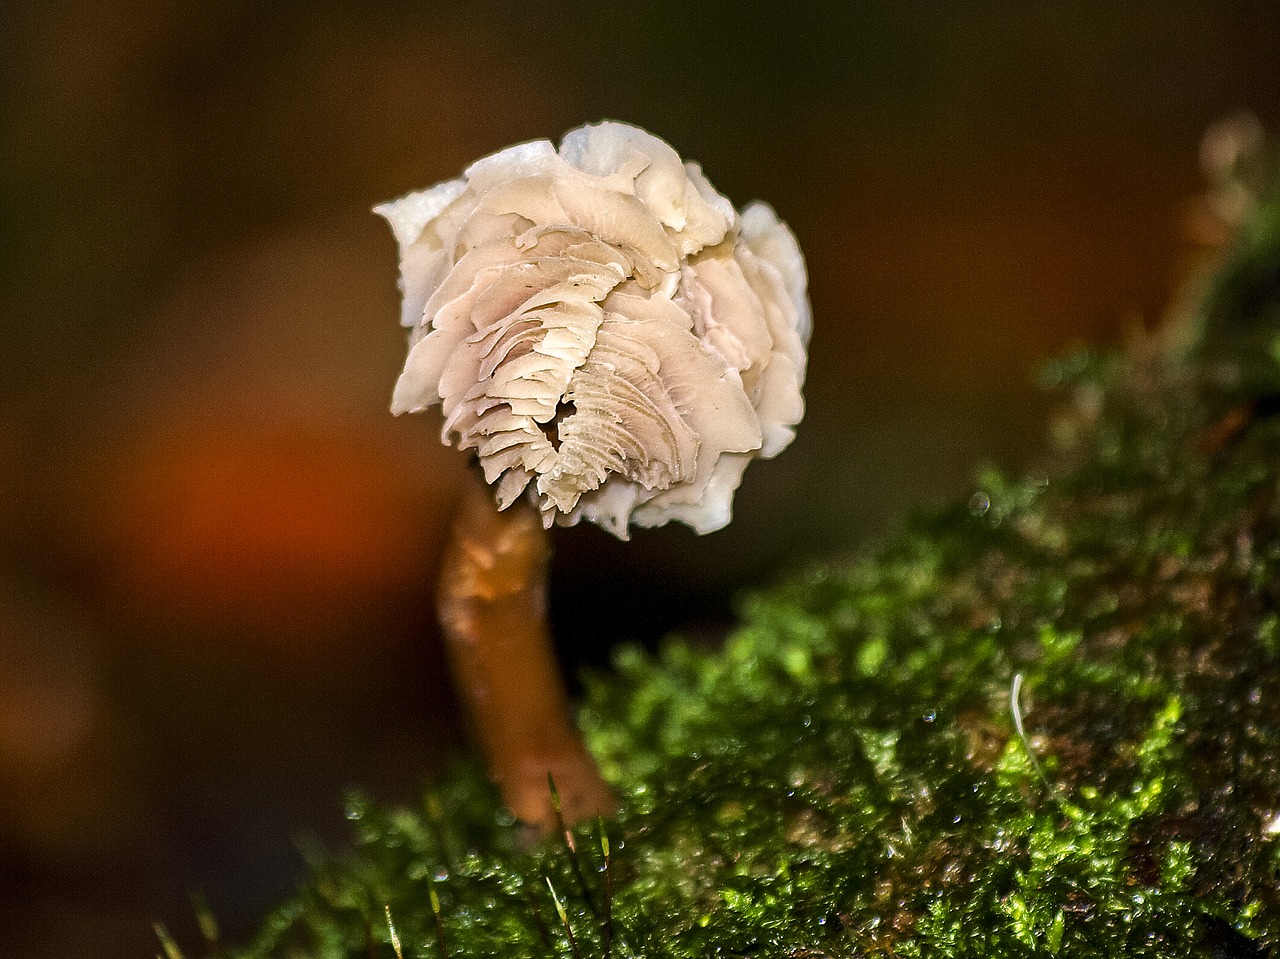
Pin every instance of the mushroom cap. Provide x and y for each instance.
(601, 326)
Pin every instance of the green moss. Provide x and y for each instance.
(1044, 722)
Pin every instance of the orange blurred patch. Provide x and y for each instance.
(250, 483)
(284, 530)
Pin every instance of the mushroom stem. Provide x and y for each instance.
(493, 613)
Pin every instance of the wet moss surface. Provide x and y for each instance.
(1043, 722)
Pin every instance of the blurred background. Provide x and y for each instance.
(217, 549)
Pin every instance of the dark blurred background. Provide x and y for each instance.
(217, 549)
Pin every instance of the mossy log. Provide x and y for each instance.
(1042, 722)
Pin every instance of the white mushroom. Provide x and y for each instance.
(602, 328)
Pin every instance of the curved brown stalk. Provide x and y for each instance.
(492, 606)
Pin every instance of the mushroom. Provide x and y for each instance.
(616, 343)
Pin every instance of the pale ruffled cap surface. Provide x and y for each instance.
(602, 328)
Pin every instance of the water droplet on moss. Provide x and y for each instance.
(930, 715)
(979, 503)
